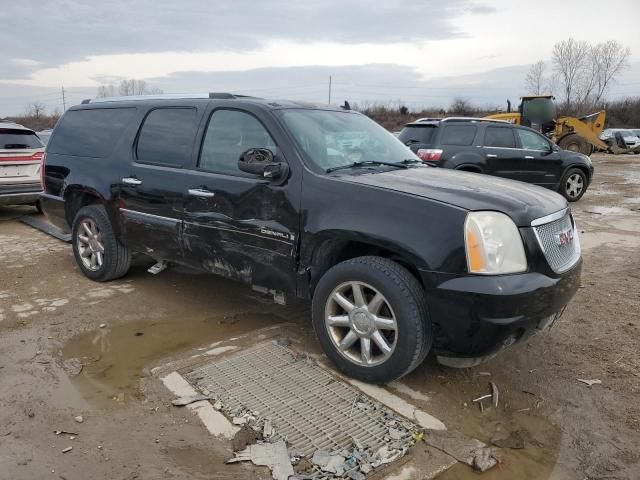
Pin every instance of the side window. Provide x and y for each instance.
(499, 137)
(228, 135)
(462, 135)
(533, 141)
(167, 136)
(90, 132)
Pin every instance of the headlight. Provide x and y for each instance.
(493, 244)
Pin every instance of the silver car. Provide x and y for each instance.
(21, 153)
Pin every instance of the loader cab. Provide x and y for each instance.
(538, 112)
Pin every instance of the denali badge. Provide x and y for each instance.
(564, 238)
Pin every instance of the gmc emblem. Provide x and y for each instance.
(564, 238)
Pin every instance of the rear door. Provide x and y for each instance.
(236, 224)
(151, 190)
(541, 164)
(503, 157)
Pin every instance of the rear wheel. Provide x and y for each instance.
(575, 143)
(370, 316)
(97, 251)
(573, 184)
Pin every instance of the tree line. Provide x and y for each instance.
(579, 74)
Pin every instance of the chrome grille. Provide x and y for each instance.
(560, 254)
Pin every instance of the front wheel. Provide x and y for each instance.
(370, 316)
(575, 143)
(97, 251)
(573, 184)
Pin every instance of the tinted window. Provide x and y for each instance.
(167, 135)
(16, 139)
(533, 141)
(417, 134)
(458, 135)
(90, 133)
(499, 137)
(228, 135)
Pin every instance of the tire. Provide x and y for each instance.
(575, 143)
(115, 257)
(571, 180)
(403, 302)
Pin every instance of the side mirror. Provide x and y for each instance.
(260, 161)
(554, 148)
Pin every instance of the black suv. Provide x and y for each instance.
(499, 148)
(398, 258)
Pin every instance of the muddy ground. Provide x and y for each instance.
(50, 313)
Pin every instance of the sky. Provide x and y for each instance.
(419, 53)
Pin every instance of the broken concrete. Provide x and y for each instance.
(272, 455)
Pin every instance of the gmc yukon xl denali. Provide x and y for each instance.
(399, 259)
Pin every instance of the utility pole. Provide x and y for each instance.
(329, 89)
(64, 102)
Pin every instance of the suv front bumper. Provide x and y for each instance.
(476, 316)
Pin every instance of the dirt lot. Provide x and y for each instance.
(50, 314)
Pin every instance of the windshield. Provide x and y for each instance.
(333, 139)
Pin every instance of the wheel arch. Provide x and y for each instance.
(579, 166)
(468, 167)
(77, 197)
(330, 248)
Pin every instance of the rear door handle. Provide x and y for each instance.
(131, 181)
(528, 157)
(491, 155)
(199, 192)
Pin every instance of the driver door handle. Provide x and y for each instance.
(200, 192)
(491, 155)
(528, 157)
(131, 181)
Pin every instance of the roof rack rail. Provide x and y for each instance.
(167, 96)
(429, 119)
(472, 119)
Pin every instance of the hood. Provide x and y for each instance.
(472, 191)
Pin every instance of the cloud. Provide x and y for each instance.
(71, 30)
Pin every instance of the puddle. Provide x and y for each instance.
(114, 357)
(536, 461)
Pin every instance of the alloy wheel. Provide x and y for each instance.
(361, 323)
(90, 246)
(574, 185)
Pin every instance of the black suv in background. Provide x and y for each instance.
(496, 147)
(319, 203)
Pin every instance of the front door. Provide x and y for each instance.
(543, 163)
(151, 190)
(236, 224)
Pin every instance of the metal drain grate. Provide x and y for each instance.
(310, 408)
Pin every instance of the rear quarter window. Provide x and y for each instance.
(461, 135)
(90, 133)
(417, 134)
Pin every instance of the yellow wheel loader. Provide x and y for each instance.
(570, 133)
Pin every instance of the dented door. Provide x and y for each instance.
(239, 225)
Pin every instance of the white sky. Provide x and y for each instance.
(518, 33)
(471, 37)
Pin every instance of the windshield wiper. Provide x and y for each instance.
(366, 163)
